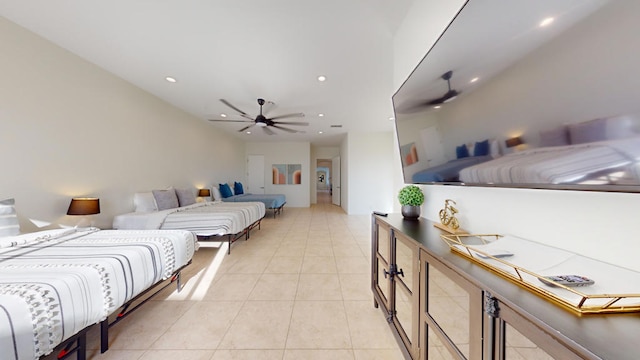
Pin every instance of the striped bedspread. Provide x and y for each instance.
(206, 218)
(559, 164)
(55, 283)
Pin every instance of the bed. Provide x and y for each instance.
(208, 220)
(56, 284)
(448, 171)
(607, 161)
(227, 193)
(274, 202)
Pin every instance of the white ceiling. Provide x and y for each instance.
(239, 51)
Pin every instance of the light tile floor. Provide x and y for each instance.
(297, 289)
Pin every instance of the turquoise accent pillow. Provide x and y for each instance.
(225, 191)
(462, 151)
(481, 148)
(237, 188)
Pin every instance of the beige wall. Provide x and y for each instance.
(286, 153)
(370, 168)
(596, 224)
(68, 128)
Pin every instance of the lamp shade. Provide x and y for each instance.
(84, 206)
(204, 192)
(515, 141)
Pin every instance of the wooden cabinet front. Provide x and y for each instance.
(442, 306)
(451, 312)
(394, 281)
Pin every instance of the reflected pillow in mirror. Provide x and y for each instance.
(555, 137)
(481, 148)
(588, 131)
(462, 151)
(494, 148)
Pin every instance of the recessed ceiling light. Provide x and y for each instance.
(319, 132)
(546, 22)
(322, 78)
(391, 118)
(437, 107)
(223, 115)
(170, 79)
(321, 115)
(474, 79)
(249, 132)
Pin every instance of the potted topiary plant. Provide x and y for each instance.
(411, 198)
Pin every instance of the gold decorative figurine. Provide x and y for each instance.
(448, 220)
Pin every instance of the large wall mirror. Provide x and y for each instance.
(528, 93)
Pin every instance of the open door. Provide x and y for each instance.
(335, 180)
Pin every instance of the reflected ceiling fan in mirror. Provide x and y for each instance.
(450, 95)
(419, 104)
(262, 121)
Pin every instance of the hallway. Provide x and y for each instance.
(323, 197)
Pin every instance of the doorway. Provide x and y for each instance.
(323, 181)
(328, 181)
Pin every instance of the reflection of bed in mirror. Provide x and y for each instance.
(602, 162)
(465, 155)
(448, 171)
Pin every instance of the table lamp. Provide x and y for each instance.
(84, 206)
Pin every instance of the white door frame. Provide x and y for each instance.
(335, 181)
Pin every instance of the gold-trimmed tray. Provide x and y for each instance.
(570, 298)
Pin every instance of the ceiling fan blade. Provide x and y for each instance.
(285, 129)
(268, 131)
(225, 120)
(242, 113)
(287, 116)
(233, 107)
(246, 127)
(292, 122)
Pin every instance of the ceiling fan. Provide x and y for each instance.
(262, 121)
(449, 95)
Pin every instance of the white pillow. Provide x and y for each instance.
(216, 193)
(494, 148)
(144, 202)
(9, 225)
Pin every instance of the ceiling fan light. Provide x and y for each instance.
(261, 124)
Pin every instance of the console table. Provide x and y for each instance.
(441, 305)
